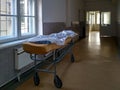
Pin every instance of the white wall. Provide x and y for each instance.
(54, 10)
(62, 10)
(75, 11)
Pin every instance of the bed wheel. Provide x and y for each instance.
(72, 58)
(57, 82)
(36, 79)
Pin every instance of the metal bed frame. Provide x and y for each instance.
(57, 56)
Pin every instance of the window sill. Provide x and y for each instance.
(10, 44)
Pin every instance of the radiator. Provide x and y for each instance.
(22, 58)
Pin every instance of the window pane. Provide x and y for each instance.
(27, 25)
(32, 24)
(24, 25)
(7, 26)
(27, 17)
(105, 18)
(6, 7)
(27, 7)
(98, 18)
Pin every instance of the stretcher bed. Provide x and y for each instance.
(57, 44)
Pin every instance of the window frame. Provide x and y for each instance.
(103, 18)
(17, 28)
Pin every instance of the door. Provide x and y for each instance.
(105, 24)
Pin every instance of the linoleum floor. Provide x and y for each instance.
(96, 67)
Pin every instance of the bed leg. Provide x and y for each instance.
(72, 58)
(57, 80)
(54, 61)
(71, 53)
(36, 75)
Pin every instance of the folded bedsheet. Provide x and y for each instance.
(57, 38)
(43, 44)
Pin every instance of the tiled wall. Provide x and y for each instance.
(53, 27)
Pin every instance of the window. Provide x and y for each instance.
(8, 19)
(27, 16)
(17, 19)
(105, 18)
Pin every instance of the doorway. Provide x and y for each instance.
(93, 21)
(99, 22)
(93, 25)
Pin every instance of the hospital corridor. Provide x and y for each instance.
(96, 67)
(59, 44)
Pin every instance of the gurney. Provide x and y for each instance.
(57, 45)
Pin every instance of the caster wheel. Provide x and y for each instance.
(57, 82)
(72, 58)
(36, 79)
